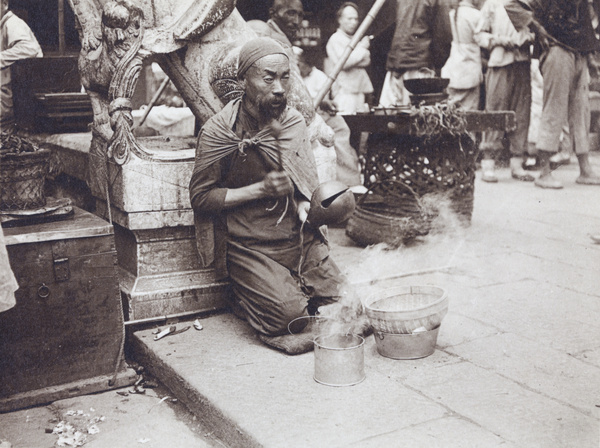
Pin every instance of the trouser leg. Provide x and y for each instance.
(497, 85)
(519, 99)
(579, 107)
(269, 294)
(557, 69)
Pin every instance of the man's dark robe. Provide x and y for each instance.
(262, 240)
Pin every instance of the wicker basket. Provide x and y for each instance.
(393, 220)
(403, 309)
(22, 179)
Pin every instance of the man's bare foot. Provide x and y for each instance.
(588, 180)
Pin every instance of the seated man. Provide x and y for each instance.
(16, 42)
(254, 174)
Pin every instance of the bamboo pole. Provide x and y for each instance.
(154, 99)
(61, 27)
(358, 35)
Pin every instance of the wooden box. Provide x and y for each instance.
(64, 336)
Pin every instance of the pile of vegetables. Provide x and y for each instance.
(442, 118)
(11, 143)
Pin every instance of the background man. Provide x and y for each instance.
(421, 41)
(16, 42)
(568, 39)
(352, 83)
(507, 85)
(285, 17)
(254, 174)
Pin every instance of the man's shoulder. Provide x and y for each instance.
(226, 115)
(293, 116)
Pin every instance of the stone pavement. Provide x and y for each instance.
(517, 360)
(109, 420)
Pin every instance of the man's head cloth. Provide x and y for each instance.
(255, 49)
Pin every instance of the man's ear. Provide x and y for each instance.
(242, 83)
(271, 12)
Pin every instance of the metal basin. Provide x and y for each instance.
(406, 346)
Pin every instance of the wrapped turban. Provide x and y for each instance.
(255, 49)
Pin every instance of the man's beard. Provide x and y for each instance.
(270, 111)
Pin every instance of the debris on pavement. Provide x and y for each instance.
(156, 404)
(74, 433)
(165, 332)
(198, 325)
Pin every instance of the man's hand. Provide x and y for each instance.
(303, 208)
(276, 184)
(328, 106)
(365, 42)
(593, 65)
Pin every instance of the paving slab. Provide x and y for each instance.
(506, 408)
(272, 399)
(109, 420)
(545, 370)
(518, 354)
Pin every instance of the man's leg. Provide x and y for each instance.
(391, 92)
(520, 101)
(579, 122)
(558, 69)
(267, 292)
(497, 88)
(467, 98)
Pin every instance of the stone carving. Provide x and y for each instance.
(195, 41)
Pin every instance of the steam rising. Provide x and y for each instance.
(380, 265)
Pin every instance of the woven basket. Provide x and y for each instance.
(392, 221)
(403, 309)
(22, 179)
(442, 165)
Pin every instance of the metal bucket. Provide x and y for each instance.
(339, 359)
(406, 346)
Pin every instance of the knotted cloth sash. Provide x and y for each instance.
(218, 140)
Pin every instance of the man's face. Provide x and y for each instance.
(266, 85)
(3, 7)
(287, 14)
(349, 20)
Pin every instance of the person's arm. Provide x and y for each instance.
(274, 185)
(21, 44)
(206, 195)
(441, 33)
(484, 35)
(360, 56)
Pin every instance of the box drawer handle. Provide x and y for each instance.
(43, 291)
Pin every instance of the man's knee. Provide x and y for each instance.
(290, 317)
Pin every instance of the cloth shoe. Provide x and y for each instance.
(293, 344)
(559, 159)
(549, 182)
(517, 171)
(487, 167)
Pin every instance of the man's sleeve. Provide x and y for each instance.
(205, 194)
(441, 34)
(21, 44)
(360, 56)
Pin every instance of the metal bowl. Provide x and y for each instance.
(421, 86)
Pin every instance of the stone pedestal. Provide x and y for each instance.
(159, 268)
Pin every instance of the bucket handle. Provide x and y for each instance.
(316, 319)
